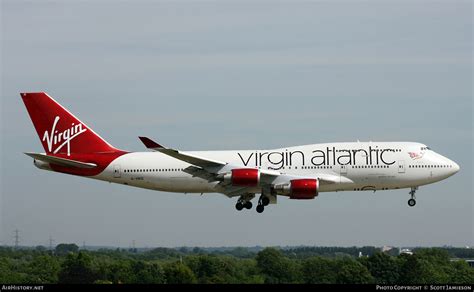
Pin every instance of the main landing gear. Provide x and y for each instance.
(412, 201)
(244, 202)
(241, 205)
(262, 202)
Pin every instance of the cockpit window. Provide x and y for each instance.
(425, 148)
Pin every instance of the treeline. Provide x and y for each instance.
(68, 264)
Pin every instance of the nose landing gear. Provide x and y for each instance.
(412, 201)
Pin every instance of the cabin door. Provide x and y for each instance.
(117, 171)
(401, 166)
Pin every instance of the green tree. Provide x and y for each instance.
(115, 270)
(222, 269)
(178, 273)
(432, 265)
(277, 268)
(40, 248)
(77, 268)
(65, 248)
(43, 269)
(350, 271)
(121, 272)
(462, 273)
(434, 255)
(10, 272)
(318, 270)
(148, 273)
(208, 269)
(423, 269)
(383, 268)
(249, 273)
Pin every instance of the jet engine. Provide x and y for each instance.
(299, 189)
(243, 177)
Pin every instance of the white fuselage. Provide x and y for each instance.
(359, 165)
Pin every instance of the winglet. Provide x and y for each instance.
(150, 143)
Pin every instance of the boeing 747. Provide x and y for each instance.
(297, 172)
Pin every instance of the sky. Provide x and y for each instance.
(238, 75)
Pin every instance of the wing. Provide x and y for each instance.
(191, 159)
(210, 170)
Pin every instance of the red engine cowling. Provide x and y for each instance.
(245, 177)
(304, 189)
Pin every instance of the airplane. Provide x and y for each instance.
(298, 172)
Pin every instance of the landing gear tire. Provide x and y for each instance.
(239, 206)
(412, 201)
(244, 201)
(265, 201)
(260, 208)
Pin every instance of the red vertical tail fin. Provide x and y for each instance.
(60, 131)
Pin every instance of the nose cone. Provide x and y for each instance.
(455, 167)
(448, 167)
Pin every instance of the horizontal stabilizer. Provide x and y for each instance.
(60, 161)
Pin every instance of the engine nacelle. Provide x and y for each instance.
(243, 177)
(300, 189)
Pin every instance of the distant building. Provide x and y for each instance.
(386, 248)
(406, 251)
(470, 263)
(361, 255)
